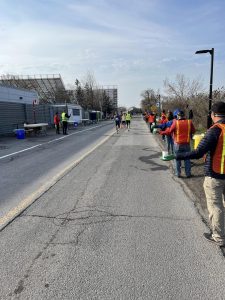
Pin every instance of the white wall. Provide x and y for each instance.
(10, 94)
(75, 118)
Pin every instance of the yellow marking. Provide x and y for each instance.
(189, 131)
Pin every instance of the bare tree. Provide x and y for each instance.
(90, 95)
(183, 88)
(149, 99)
(89, 83)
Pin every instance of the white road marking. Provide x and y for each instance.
(63, 137)
(25, 203)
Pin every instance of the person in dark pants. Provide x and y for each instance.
(181, 130)
(190, 114)
(213, 146)
(151, 120)
(65, 118)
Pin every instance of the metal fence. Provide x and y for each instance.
(14, 115)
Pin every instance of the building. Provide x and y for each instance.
(18, 95)
(112, 92)
(50, 88)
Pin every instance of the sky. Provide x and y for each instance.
(133, 44)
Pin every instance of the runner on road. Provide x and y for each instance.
(128, 119)
(117, 122)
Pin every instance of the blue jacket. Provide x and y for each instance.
(206, 146)
(164, 125)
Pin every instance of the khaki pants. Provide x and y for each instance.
(214, 191)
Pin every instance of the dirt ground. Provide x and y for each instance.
(193, 186)
(195, 183)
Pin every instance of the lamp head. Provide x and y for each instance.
(204, 51)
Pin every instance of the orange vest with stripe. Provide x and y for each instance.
(218, 159)
(182, 134)
(151, 118)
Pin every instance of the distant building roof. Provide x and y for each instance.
(50, 88)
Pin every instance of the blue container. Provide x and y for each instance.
(20, 134)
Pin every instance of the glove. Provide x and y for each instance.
(172, 156)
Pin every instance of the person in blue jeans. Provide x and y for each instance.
(164, 126)
(182, 131)
(178, 149)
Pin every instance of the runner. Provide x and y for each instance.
(117, 122)
(123, 120)
(128, 118)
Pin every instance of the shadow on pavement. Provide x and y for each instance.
(150, 161)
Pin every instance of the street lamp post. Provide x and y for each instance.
(159, 104)
(211, 52)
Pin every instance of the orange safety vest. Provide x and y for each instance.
(182, 134)
(151, 118)
(218, 159)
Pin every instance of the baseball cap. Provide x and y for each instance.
(180, 113)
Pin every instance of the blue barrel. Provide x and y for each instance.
(20, 134)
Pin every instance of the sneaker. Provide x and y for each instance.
(189, 176)
(209, 238)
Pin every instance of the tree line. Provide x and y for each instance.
(88, 94)
(184, 94)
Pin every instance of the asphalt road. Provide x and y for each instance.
(117, 226)
(44, 157)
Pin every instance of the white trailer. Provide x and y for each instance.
(75, 112)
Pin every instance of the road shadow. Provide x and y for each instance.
(150, 160)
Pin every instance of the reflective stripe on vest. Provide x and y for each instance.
(218, 159)
(183, 131)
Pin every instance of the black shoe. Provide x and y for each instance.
(209, 238)
(189, 176)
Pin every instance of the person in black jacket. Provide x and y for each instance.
(213, 145)
(190, 114)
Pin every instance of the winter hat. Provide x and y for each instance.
(218, 109)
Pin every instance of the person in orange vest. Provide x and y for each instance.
(163, 120)
(146, 117)
(212, 145)
(181, 130)
(151, 120)
(163, 114)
